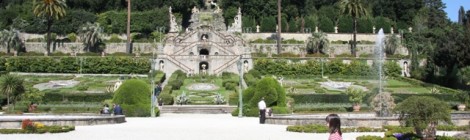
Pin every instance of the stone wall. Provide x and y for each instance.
(40, 47)
(354, 120)
(14, 122)
(338, 49)
(304, 36)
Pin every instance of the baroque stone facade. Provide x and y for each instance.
(206, 47)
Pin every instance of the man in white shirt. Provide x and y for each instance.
(262, 111)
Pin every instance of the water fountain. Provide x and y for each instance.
(384, 101)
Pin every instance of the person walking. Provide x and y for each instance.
(262, 111)
(334, 124)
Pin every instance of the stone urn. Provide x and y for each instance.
(4, 108)
(461, 107)
(356, 107)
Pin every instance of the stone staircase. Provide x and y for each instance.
(198, 109)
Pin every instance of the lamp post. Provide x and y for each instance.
(240, 98)
(161, 31)
(322, 61)
(152, 83)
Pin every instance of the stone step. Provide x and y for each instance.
(198, 109)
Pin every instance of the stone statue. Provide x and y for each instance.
(257, 28)
(117, 85)
(245, 66)
(336, 29)
(195, 10)
(174, 27)
(162, 66)
(237, 22)
(373, 29)
(316, 29)
(391, 30)
(204, 69)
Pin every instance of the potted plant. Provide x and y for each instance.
(355, 96)
(464, 98)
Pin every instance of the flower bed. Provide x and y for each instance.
(30, 127)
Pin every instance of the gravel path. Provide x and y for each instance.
(183, 127)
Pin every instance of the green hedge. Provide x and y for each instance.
(104, 65)
(52, 96)
(333, 67)
(343, 98)
(134, 96)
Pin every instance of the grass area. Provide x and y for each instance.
(87, 83)
(205, 96)
(311, 86)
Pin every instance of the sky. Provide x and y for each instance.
(453, 7)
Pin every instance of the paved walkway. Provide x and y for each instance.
(183, 127)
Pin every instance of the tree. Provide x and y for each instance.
(423, 113)
(90, 34)
(11, 86)
(318, 43)
(461, 16)
(11, 39)
(355, 9)
(392, 42)
(50, 10)
(437, 17)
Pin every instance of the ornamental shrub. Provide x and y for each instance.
(392, 69)
(134, 97)
(423, 113)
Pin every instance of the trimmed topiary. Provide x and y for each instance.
(134, 97)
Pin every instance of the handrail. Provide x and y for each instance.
(229, 63)
(179, 64)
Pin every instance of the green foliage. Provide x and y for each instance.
(392, 69)
(115, 21)
(166, 97)
(325, 24)
(72, 37)
(12, 87)
(134, 96)
(280, 110)
(345, 24)
(268, 24)
(423, 113)
(355, 95)
(71, 22)
(270, 89)
(45, 129)
(365, 25)
(109, 65)
(384, 23)
(54, 96)
(115, 39)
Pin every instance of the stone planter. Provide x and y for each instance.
(356, 107)
(4, 108)
(461, 107)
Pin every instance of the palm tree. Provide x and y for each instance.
(11, 86)
(11, 39)
(318, 43)
(50, 10)
(90, 34)
(355, 9)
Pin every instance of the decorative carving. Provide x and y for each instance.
(237, 22)
(174, 27)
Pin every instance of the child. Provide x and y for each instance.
(334, 125)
